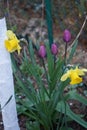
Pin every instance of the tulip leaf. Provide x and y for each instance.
(57, 72)
(50, 60)
(31, 50)
(76, 96)
(61, 108)
(72, 51)
(64, 128)
(14, 64)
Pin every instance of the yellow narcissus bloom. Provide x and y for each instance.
(12, 43)
(74, 75)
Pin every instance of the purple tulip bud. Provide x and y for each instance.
(42, 51)
(54, 49)
(67, 35)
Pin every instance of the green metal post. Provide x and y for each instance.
(48, 9)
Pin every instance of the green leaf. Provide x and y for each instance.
(14, 64)
(32, 125)
(25, 55)
(50, 60)
(31, 96)
(72, 51)
(35, 71)
(20, 109)
(57, 72)
(31, 50)
(78, 97)
(61, 108)
(64, 128)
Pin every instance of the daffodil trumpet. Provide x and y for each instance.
(75, 75)
(12, 42)
(9, 113)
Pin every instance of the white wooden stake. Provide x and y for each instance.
(9, 113)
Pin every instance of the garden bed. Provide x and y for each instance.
(27, 23)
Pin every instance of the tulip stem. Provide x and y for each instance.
(45, 70)
(65, 56)
(54, 61)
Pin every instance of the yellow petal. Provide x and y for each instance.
(79, 71)
(84, 70)
(12, 45)
(10, 34)
(76, 81)
(18, 49)
(8, 46)
(74, 75)
(65, 76)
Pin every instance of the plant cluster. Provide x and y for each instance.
(43, 84)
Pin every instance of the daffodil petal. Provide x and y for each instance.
(12, 44)
(65, 76)
(6, 44)
(18, 49)
(76, 81)
(74, 75)
(79, 71)
(10, 34)
(84, 70)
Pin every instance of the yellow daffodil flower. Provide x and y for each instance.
(74, 75)
(12, 43)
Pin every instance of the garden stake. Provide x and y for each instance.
(49, 21)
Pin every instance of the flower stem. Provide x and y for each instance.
(45, 70)
(65, 56)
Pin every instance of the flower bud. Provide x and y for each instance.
(54, 49)
(42, 51)
(67, 35)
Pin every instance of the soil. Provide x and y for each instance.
(26, 19)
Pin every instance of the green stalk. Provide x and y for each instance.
(49, 20)
(65, 57)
